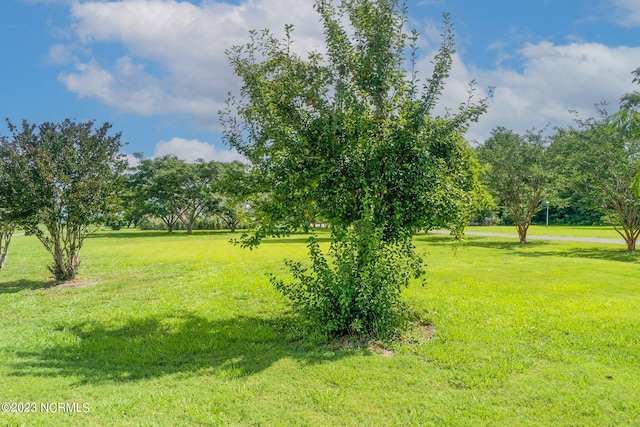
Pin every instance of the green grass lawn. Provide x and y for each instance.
(181, 330)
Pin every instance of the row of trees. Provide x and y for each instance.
(174, 191)
(592, 165)
(50, 171)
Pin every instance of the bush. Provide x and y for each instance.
(148, 224)
(358, 291)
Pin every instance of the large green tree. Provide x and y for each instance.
(598, 160)
(516, 174)
(351, 133)
(628, 118)
(158, 187)
(200, 191)
(59, 179)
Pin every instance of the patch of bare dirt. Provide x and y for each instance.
(380, 350)
(76, 283)
(426, 332)
(417, 335)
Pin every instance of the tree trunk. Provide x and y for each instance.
(5, 239)
(3, 256)
(60, 269)
(522, 234)
(64, 268)
(631, 244)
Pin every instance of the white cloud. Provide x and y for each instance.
(182, 43)
(171, 60)
(90, 81)
(552, 80)
(60, 54)
(191, 150)
(627, 12)
(132, 160)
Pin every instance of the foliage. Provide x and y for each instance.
(598, 160)
(516, 175)
(234, 187)
(628, 118)
(630, 102)
(157, 185)
(568, 208)
(173, 190)
(361, 293)
(64, 177)
(200, 191)
(350, 136)
(134, 209)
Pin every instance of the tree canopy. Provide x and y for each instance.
(517, 174)
(63, 177)
(598, 159)
(351, 134)
(174, 191)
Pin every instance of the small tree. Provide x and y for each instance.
(62, 177)
(516, 175)
(352, 133)
(7, 223)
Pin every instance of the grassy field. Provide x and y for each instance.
(600, 232)
(181, 330)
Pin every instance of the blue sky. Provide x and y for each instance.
(156, 69)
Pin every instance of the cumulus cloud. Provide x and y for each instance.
(132, 160)
(191, 150)
(182, 43)
(156, 57)
(551, 80)
(90, 80)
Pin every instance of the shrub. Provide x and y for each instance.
(357, 291)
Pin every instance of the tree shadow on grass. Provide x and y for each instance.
(542, 248)
(136, 234)
(297, 237)
(152, 347)
(23, 285)
(295, 240)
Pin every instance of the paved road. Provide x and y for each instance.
(534, 237)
